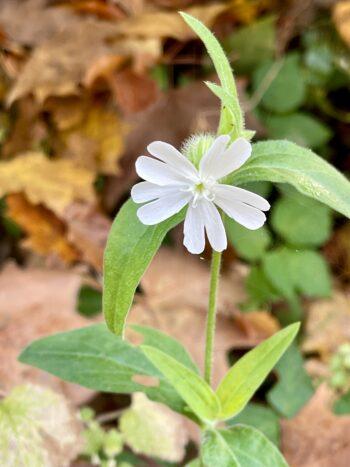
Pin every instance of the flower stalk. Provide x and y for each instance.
(211, 317)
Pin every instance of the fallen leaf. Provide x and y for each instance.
(316, 437)
(31, 22)
(59, 65)
(163, 24)
(46, 234)
(45, 305)
(87, 230)
(341, 18)
(55, 183)
(133, 91)
(153, 429)
(327, 325)
(175, 301)
(337, 251)
(38, 429)
(176, 280)
(97, 142)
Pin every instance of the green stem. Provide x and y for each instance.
(211, 318)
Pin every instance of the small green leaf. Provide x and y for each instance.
(285, 162)
(190, 386)
(167, 344)
(232, 105)
(222, 67)
(294, 386)
(262, 418)
(300, 128)
(286, 91)
(342, 405)
(259, 288)
(293, 271)
(250, 245)
(89, 301)
(245, 377)
(130, 248)
(252, 448)
(253, 44)
(301, 221)
(97, 359)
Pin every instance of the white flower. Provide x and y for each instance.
(173, 182)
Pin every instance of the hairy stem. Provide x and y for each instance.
(211, 318)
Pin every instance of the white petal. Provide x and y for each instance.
(249, 217)
(209, 160)
(170, 155)
(194, 237)
(157, 172)
(163, 208)
(214, 226)
(231, 159)
(233, 193)
(146, 191)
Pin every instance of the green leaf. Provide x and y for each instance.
(342, 405)
(216, 451)
(301, 221)
(97, 359)
(252, 448)
(167, 344)
(259, 288)
(250, 245)
(285, 162)
(231, 104)
(287, 89)
(89, 301)
(303, 271)
(294, 387)
(260, 417)
(301, 128)
(253, 44)
(130, 248)
(190, 386)
(222, 67)
(244, 378)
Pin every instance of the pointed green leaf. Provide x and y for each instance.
(222, 67)
(130, 248)
(190, 386)
(97, 359)
(245, 377)
(231, 103)
(167, 344)
(252, 448)
(285, 162)
(216, 451)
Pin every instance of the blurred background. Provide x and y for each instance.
(85, 85)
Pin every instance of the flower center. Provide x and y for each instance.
(203, 189)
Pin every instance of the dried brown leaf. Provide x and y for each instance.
(315, 437)
(87, 230)
(46, 234)
(163, 24)
(35, 303)
(59, 65)
(341, 18)
(52, 182)
(327, 325)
